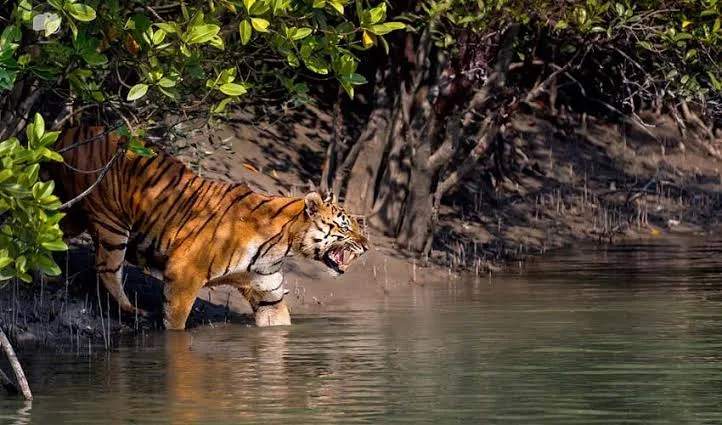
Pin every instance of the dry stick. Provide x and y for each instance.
(15, 364)
(100, 308)
(88, 140)
(87, 191)
(61, 120)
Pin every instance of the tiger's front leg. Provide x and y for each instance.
(265, 295)
(180, 291)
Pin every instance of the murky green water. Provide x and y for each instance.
(623, 336)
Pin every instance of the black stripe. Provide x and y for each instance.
(258, 252)
(187, 206)
(159, 174)
(210, 267)
(234, 202)
(268, 273)
(105, 270)
(267, 303)
(208, 220)
(280, 210)
(107, 227)
(260, 204)
(113, 247)
(230, 261)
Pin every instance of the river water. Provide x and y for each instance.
(626, 335)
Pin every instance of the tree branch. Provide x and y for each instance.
(15, 364)
(460, 121)
(486, 134)
(58, 123)
(103, 172)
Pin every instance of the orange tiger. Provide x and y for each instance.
(192, 232)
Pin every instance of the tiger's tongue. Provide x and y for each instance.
(340, 256)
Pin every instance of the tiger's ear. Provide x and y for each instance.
(313, 204)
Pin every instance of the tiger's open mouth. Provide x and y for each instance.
(338, 258)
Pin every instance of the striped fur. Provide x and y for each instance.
(193, 232)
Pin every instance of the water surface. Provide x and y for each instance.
(627, 335)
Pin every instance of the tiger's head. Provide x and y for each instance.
(332, 236)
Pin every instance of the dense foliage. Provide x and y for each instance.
(30, 210)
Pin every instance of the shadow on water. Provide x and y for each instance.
(628, 334)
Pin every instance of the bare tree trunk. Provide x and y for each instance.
(369, 151)
(412, 232)
(389, 207)
(329, 164)
(485, 137)
(394, 185)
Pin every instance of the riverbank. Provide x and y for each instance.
(574, 183)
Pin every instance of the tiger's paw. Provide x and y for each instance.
(273, 315)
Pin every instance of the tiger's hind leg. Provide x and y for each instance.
(110, 245)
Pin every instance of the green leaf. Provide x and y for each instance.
(316, 65)
(49, 138)
(336, 5)
(137, 147)
(302, 33)
(202, 33)
(169, 28)
(21, 263)
(377, 14)
(38, 127)
(32, 172)
(348, 88)
(619, 8)
(260, 24)
(56, 245)
(217, 42)
(385, 28)
(166, 82)
(355, 79)
(248, 4)
(52, 155)
(73, 28)
(292, 60)
(43, 189)
(232, 89)
(646, 44)
(5, 260)
(52, 24)
(221, 107)
(690, 54)
(137, 91)
(158, 37)
(95, 59)
(245, 29)
(26, 10)
(81, 12)
(319, 4)
(6, 274)
(5, 174)
(46, 265)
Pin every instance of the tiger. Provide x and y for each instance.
(190, 231)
